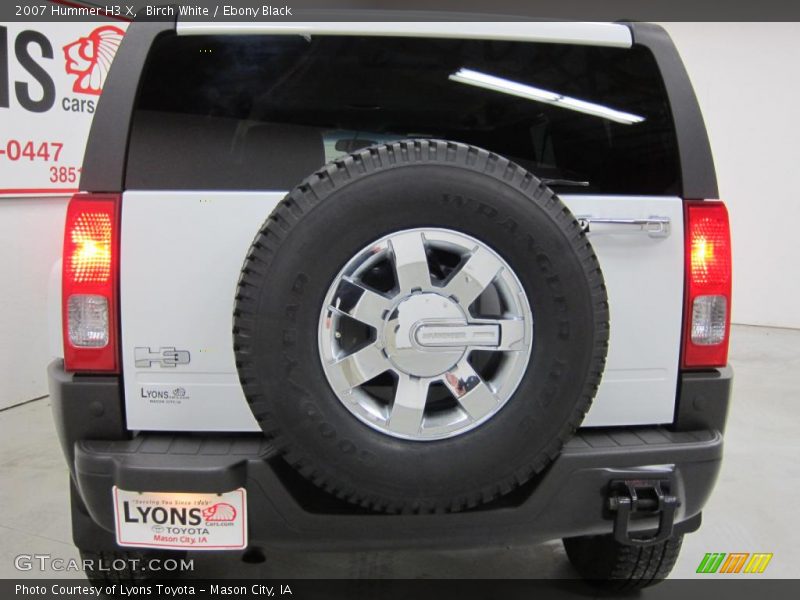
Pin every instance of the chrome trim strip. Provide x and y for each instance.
(655, 227)
(593, 34)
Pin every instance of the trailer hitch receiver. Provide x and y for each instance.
(631, 499)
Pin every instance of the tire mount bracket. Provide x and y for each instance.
(631, 498)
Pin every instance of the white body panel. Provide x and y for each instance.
(182, 253)
(596, 34)
(180, 257)
(644, 282)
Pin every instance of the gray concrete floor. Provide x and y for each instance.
(750, 511)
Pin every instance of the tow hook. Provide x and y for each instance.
(639, 498)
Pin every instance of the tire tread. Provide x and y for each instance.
(338, 174)
(608, 564)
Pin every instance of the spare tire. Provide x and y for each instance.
(419, 326)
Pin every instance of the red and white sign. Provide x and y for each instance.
(179, 520)
(55, 75)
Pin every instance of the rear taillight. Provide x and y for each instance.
(89, 283)
(707, 313)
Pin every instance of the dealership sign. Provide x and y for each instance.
(51, 77)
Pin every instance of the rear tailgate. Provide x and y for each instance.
(182, 252)
(644, 280)
(613, 135)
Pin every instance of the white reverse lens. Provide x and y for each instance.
(708, 320)
(87, 316)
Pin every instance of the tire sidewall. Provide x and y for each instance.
(538, 242)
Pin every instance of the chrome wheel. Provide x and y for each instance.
(425, 334)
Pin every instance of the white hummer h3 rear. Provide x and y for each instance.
(340, 285)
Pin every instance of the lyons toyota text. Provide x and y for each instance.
(116, 590)
(173, 591)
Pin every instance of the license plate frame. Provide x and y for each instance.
(181, 520)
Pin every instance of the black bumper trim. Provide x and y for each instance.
(84, 407)
(154, 462)
(568, 499)
(703, 399)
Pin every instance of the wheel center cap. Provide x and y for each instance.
(425, 335)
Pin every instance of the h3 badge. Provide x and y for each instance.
(165, 357)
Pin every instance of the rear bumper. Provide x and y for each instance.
(568, 499)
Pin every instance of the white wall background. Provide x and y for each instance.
(746, 78)
(31, 235)
(31, 228)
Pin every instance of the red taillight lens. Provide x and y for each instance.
(708, 285)
(89, 283)
(90, 238)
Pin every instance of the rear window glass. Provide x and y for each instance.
(263, 112)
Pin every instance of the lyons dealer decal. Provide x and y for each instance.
(51, 77)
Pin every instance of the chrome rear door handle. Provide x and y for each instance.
(655, 227)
